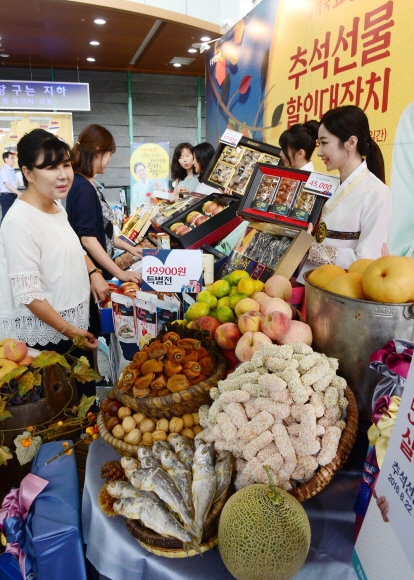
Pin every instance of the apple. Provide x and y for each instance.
(278, 287)
(206, 323)
(277, 304)
(275, 325)
(388, 279)
(25, 362)
(15, 350)
(260, 297)
(249, 343)
(232, 360)
(227, 335)
(298, 332)
(245, 305)
(250, 321)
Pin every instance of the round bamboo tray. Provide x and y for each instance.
(325, 473)
(175, 404)
(118, 444)
(171, 547)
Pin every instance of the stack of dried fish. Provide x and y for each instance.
(172, 487)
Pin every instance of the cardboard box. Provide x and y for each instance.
(215, 228)
(277, 195)
(233, 166)
(266, 249)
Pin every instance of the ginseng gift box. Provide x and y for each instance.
(233, 166)
(266, 249)
(278, 194)
(206, 222)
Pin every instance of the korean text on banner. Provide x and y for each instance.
(172, 270)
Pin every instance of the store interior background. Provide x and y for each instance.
(165, 107)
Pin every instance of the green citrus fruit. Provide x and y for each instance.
(220, 288)
(227, 278)
(206, 296)
(213, 313)
(258, 286)
(237, 275)
(225, 314)
(233, 290)
(246, 285)
(237, 296)
(225, 301)
(197, 310)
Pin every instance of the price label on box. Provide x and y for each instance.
(321, 184)
(172, 270)
(231, 138)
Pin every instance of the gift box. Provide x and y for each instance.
(234, 166)
(9, 568)
(279, 195)
(42, 520)
(168, 212)
(214, 228)
(266, 249)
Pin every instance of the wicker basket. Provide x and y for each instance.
(325, 474)
(175, 404)
(171, 547)
(118, 444)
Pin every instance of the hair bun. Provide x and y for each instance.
(312, 128)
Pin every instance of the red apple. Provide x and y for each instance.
(227, 335)
(275, 325)
(206, 323)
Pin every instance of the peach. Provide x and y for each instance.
(245, 305)
(6, 366)
(206, 323)
(298, 332)
(250, 321)
(15, 350)
(3, 346)
(227, 335)
(275, 325)
(260, 297)
(278, 287)
(277, 304)
(249, 343)
(25, 362)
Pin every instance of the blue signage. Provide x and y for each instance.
(34, 95)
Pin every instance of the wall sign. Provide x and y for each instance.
(40, 96)
(172, 270)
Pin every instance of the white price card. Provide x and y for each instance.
(230, 137)
(321, 184)
(172, 270)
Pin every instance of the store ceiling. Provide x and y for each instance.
(57, 33)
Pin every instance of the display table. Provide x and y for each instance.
(118, 556)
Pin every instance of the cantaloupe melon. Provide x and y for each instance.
(264, 534)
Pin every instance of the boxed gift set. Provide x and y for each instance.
(206, 222)
(233, 166)
(169, 211)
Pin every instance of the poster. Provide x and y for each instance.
(14, 124)
(149, 168)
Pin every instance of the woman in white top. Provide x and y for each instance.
(354, 222)
(44, 291)
(298, 144)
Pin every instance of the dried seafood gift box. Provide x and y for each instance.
(234, 166)
(266, 249)
(279, 195)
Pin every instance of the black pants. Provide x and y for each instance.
(62, 347)
(6, 201)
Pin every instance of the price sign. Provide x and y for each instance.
(231, 138)
(321, 184)
(172, 270)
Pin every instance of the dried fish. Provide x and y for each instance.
(203, 487)
(224, 470)
(181, 475)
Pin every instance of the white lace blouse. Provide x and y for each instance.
(40, 258)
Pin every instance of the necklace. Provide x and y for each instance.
(322, 228)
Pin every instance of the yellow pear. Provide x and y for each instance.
(389, 279)
(360, 265)
(349, 285)
(324, 274)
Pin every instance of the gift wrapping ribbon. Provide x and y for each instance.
(394, 356)
(13, 513)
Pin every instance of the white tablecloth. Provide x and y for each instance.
(118, 556)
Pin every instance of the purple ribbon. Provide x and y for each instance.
(380, 408)
(13, 513)
(398, 363)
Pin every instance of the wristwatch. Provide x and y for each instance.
(95, 270)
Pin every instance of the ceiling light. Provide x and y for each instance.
(4, 55)
(177, 64)
(196, 45)
(100, 21)
(192, 50)
(205, 38)
(94, 43)
(90, 59)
